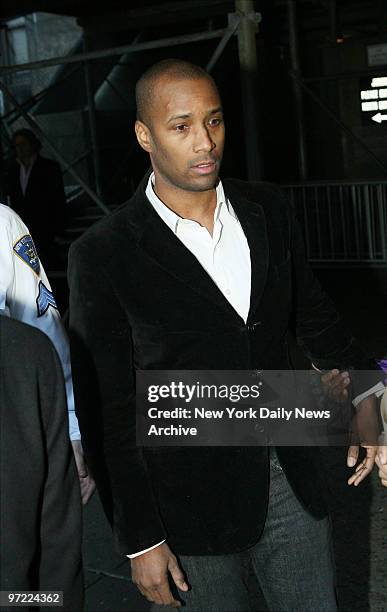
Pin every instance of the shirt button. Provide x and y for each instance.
(228, 292)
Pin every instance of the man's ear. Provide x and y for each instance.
(143, 136)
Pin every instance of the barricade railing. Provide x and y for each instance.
(343, 222)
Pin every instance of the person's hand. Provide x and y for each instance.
(381, 462)
(365, 424)
(335, 385)
(366, 432)
(86, 480)
(150, 574)
(364, 467)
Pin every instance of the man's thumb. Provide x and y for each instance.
(352, 457)
(177, 575)
(382, 454)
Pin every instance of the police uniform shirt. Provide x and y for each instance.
(25, 294)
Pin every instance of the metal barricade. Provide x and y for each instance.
(343, 222)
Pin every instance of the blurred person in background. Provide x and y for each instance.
(34, 185)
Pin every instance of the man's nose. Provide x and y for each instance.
(203, 140)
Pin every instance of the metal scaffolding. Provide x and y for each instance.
(43, 136)
(241, 23)
(302, 84)
(248, 69)
(297, 90)
(114, 51)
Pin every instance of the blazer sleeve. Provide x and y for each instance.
(104, 385)
(320, 329)
(61, 519)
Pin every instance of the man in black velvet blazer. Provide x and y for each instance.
(140, 299)
(40, 510)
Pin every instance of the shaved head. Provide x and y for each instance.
(180, 124)
(168, 69)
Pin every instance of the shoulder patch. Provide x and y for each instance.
(26, 250)
(45, 299)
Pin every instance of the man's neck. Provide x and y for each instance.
(198, 206)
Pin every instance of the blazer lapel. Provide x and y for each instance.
(16, 180)
(252, 219)
(35, 174)
(163, 246)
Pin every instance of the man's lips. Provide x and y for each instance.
(205, 167)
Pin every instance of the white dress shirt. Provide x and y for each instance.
(225, 255)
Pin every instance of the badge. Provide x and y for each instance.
(45, 299)
(26, 250)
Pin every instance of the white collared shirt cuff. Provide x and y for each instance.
(137, 554)
(74, 432)
(377, 389)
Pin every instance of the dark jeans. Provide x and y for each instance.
(292, 561)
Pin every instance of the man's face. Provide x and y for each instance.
(185, 135)
(23, 148)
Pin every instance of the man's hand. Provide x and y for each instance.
(381, 462)
(150, 575)
(335, 384)
(86, 480)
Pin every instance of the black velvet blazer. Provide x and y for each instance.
(40, 510)
(140, 299)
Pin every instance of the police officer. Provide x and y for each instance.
(25, 294)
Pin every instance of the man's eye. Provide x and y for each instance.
(181, 127)
(215, 121)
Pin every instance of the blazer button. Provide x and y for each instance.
(256, 373)
(253, 326)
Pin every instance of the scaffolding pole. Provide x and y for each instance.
(40, 134)
(77, 160)
(333, 20)
(91, 113)
(131, 48)
(5, 54)
(118, 93)
(233, 23)
(33, 100)
(297, 91)
(248, 67)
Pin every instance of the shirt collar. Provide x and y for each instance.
(223, 206)
(32, 161)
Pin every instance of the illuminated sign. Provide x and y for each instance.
(373, 100)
